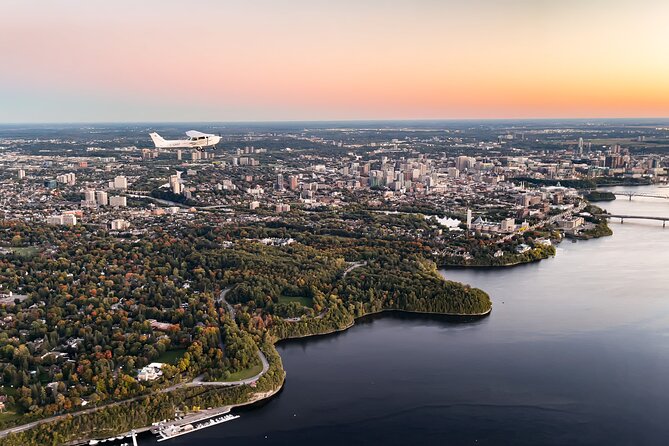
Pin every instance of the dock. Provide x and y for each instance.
(176, 430)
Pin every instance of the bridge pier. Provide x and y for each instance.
(630, 197)
(622, 218)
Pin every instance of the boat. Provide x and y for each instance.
(172, 430)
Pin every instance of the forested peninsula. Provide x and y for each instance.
(95, 307)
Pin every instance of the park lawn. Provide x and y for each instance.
(172, 356)
(305, 301)
(8, 415)
(243, 374)
(25, 251)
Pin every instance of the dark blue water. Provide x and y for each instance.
(575, 352)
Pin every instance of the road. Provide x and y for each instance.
(221, 299)
(23, 427)
(147, 195)
(547, 221)
(322, 314)
(352, 267)
(265, 367)
(197, 382)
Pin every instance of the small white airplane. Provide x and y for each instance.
(196, 140)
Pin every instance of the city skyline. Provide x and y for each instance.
(440, 220)
(219, 61)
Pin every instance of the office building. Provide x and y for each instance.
(117, 201)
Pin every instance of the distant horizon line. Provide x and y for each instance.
(296, 121)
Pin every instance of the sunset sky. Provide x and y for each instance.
(207, 60)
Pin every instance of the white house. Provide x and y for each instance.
(150, 372)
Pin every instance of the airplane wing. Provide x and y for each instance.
(195, 134)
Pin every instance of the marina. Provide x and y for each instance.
(170, 431)
(132, 436)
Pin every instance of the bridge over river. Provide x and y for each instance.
(631, 194)
(635, 217)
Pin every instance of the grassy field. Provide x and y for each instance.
(28, 251)
(306, 301)
(8, 415)
(171, 356)
(243, 374)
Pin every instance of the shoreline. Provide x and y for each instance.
(265, 396)
(506, 265)
(260, 397)
(573, 238)
(255, 397)
(197, 416)
(460, 316)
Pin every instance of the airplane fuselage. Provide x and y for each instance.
(197, 142)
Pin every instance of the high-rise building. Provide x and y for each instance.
(54, 220)
(21, 174)
(119, 225)
(279, 182)
(614, 161)
(508, 225)
(89, 196)
(69, 219)
(120, 183)
(293, 182)
(179, 155)
(67, 178)
(102, 198)
(580, 146)
(464, 162)
(63, 219)
(175, 183)
(469, 218)
(118, 201)
(176, 187)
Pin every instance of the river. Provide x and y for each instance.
(576, 351)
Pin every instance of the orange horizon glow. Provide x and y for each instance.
(311, 60)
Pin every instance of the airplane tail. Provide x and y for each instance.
(158, 140)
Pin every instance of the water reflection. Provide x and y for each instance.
(576, 351)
